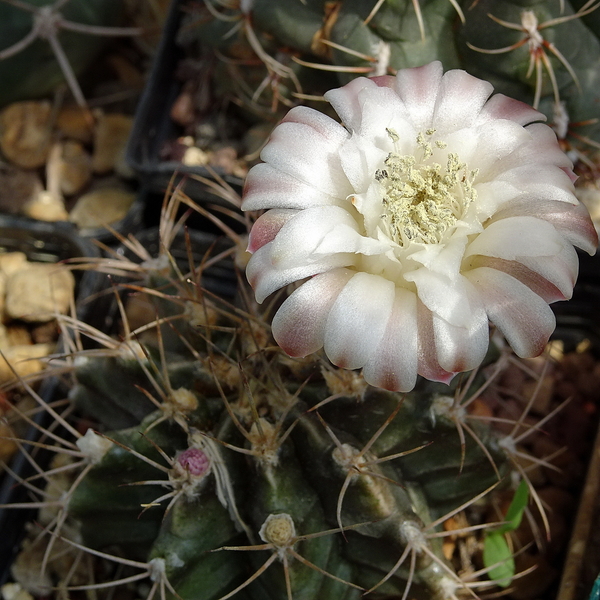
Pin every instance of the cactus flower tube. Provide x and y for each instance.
(433, 209)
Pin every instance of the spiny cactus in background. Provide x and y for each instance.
(268, 56)
(43, 43)
(205, 459)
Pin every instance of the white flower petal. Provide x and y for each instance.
(428, 364)
(317, 232)
(544, 181)
(462, 348)
(268, 187)
(500, 106)
(359, 160)
(443, 259)
(491, 195)
(495, 141)
(332, 131)
(543, 149)
(418, 88)
(444, 297)
(301, 151)
(299, 324)
(516, 237)
(460, 100)
(525, 320)
(572, 221)
(357, 320)
(393, 365)
(346, 100)
(265, 278)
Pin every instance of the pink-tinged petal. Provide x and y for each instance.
(267, 226)
(384, 81)
(560, 270)
(500, 106)
(525, 319)
(268, 187)
(265, 278)
(572, 221)
(551, 278)
(461, 98)
(346, 103)
(358, 319)
(515, 237)
(305, 154)
(443, 296)
(418, 88)
(393, 366)
(462, 348)
(317, 232)
(428, 364)
(299, 324)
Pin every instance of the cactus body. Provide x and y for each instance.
(538, 51)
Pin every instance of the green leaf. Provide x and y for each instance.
(514, 514)
(496, 552)
(495, 549)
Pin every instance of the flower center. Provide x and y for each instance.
(421, 199)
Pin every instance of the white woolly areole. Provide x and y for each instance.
(432, 209)
(93, 446)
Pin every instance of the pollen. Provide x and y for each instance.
(423, 199)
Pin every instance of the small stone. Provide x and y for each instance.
(46, 207)
(38, 292)
(75, 168)
(4, 339)
(14, 591)
(195, 157)
(25, 133)
(101, 207)
(11, 262)
(18, 335)
(110, 139)
(21, 361)
(75, 123)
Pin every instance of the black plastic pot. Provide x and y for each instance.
(153, 127)
(46, 243)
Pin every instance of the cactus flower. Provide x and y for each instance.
(433, 209)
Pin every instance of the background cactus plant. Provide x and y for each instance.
(266, 58)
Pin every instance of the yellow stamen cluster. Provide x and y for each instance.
(423, 200)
